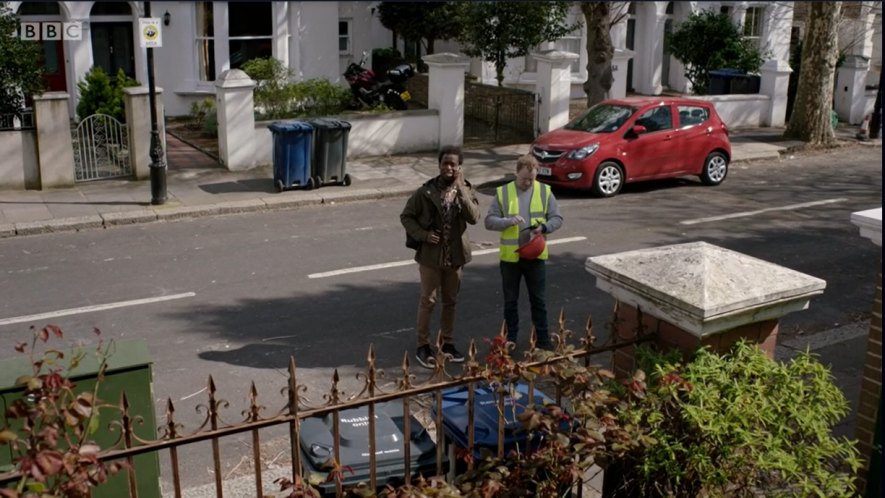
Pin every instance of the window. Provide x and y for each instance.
(205, 40)
(251, 31)
(692, 115)
(753, 23)
(657, 119)
(567, 44)
(344, 36)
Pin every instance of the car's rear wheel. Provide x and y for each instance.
(608, 180)
(715, 169)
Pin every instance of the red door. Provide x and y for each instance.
(54, 66)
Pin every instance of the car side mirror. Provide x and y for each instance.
(639, 129)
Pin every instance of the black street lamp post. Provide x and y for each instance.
(158, 161)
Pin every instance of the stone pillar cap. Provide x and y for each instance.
(555, 56)
(703, 288)
(141, 90)
(234, 78)
(52, 96)
(445, 58)
(870, 223)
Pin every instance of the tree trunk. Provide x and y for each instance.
(810, 120)
(600, 51)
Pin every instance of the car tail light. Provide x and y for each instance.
(724, 129)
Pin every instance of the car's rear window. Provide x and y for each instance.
(602, 118)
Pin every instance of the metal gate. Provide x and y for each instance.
(101, 149)
(498, 115)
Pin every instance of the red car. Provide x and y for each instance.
(620, 141)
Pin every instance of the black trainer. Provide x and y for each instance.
(425, 357)
(453, 354)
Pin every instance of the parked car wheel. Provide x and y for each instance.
(608, 180)
(715, 169)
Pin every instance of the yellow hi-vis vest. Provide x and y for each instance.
(509, 203)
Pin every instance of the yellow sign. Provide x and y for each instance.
(149, 31)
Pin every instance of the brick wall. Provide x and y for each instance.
(871, 384)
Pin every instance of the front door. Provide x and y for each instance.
(112, 48)
(54, 66)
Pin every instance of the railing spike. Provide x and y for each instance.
(371, 356)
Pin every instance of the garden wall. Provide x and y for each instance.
(739, 111)
(372, 134)
(19, 169)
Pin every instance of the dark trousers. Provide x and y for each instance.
(535, 274)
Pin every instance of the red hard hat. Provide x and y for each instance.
(533, 248)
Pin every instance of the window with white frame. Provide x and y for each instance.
(566, 44)
(753, 24)
(344, 36)
(205, 41)
(250, 28)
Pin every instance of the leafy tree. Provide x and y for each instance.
(497, 31)
(707, 41)
(99, 96)
(599, 17)
(810, 117)
(21, 73)
(426, 21)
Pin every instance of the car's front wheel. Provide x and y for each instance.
(608, 180)
(715, 169)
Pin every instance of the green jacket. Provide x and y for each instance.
(423, 214)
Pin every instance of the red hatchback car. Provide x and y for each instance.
(620, 141)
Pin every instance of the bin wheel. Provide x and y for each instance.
(279, 185)
(346, 181)
(318, 181)
(310, 185)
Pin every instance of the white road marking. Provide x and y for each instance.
(760, 211)
(394, 264)
(89, 309)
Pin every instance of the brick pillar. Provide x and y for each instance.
(870, 223)
(698, 294)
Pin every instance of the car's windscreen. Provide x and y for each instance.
(602, 118)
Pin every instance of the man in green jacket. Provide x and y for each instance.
(436, 216)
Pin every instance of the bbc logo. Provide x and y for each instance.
(51, 31)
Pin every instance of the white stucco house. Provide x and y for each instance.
(201, 40)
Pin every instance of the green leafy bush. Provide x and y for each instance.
(276, 98)
(740, 424)
(203, 116)
(390, 52)
(708, 41)
(99, 96)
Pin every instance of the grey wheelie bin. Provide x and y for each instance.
(330, 151)
(317, 446)
(292, 142)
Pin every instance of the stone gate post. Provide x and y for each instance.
(850, 98)
(445, 93)
(699, 294)
(236, 120)
(620, 61)
(774, 82)
(55, 148)
(553, 87)
(137, 104)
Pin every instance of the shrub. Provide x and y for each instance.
(740, 424)
(318, 97)
(99, 96)
(203, 116)
(707, 41)
(272, 93)
(389, 52)
(48, 428)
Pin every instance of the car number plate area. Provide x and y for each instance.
(405, 95)
(545, 171)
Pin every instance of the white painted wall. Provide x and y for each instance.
(19, 168)
(371, 135)
(739, 111)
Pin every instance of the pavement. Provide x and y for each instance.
(198, 186)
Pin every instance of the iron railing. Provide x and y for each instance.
(101, 149)
(296, 408)
(21, 121)
(499, 115)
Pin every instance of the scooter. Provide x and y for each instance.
(369, 91)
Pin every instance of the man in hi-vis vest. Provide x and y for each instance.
(524, 211)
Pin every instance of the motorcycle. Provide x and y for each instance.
(368, 90)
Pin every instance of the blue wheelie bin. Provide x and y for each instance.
(485, 417)
(292, 141)
(330, 151)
